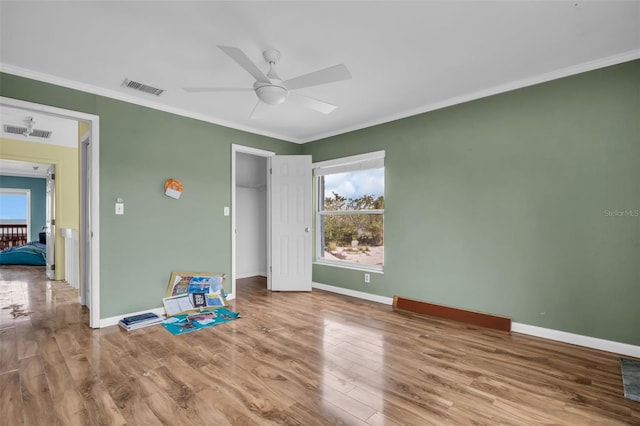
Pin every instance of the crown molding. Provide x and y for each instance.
(95, 90)
(503, 88)
(507, 87)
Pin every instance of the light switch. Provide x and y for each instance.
(119, 208)
(226, 211)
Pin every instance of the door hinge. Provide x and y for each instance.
(53, 176)
(53, 222)
(270, 171)
(53, 267)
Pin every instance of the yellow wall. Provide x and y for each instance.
(67, 209)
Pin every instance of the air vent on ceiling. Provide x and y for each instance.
(142, 87)
(19, 130)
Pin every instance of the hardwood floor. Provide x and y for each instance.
(293, 358)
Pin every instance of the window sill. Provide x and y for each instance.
(353, 266)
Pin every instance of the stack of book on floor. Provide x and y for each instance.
(139, 321)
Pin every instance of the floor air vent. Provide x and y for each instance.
(142, 87)
(20, 130)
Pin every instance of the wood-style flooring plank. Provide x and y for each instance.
(37, 404)
(292, 359)
(11, 407)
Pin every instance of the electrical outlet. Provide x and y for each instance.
(367, 278)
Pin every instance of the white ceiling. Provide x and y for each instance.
(405, 57)
(64, 132)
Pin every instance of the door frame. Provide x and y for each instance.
(50, 222)
(92, 167)
(260, 153)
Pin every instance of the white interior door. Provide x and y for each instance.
(291, 241)
(50, 229)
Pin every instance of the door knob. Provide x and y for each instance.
(307, 229)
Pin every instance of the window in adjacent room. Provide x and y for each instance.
(350, 211)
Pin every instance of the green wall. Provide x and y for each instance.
(38, 188)
(497, 205)
(139, 149)
(500, 205)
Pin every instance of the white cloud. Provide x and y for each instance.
(355, 184)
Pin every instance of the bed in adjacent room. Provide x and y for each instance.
(32, 253)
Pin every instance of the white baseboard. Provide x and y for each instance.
(354, 293)
(532, 330)
(106, 322)
(251, 274)
(577, 339)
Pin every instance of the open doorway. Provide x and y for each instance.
(250, 214)
(87, 128)
(23, 213)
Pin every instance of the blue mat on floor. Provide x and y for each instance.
(631, 378)
(181, 324)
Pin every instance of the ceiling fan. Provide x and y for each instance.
(270, 88)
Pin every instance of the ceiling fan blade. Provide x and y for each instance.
(327, 75)
(260, 110)
(216, 89)
(246, 63)
(315, 104)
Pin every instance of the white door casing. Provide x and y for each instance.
(251, 151)
(290, 222)
(85, 222)
(50, 224)
(89, 260)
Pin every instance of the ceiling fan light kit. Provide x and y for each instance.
(269, 87)
(272, 94)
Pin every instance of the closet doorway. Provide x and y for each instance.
(250, 214)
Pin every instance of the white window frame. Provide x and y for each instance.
(20, 191)
(366, 161)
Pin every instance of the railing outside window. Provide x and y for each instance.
(12, 235)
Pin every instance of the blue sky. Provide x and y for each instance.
(355, 184)
(13, 206)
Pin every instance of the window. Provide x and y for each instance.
(15, 221)
(350, 211)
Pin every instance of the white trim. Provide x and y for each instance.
(532, 330)
(107, 322)
(95, 222)
(577, 339)
(235, 148)
(375, 269)
(375, 155)
(346, 212)
(113, 94)
(518, 84)
(354, 293)
(28, 191)
(530, 81)
(496, 90)
(94, 121)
